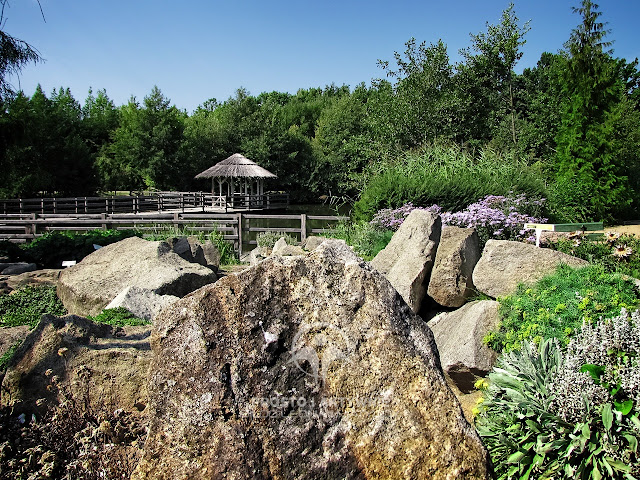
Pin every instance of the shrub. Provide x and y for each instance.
(617, 253)
(118, 317)
(556, 305)
(269, 239)
(27, 305)
(549, 414)
(365, 239)
(53, 248)
(447, 176)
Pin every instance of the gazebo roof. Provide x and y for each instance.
(236, 166)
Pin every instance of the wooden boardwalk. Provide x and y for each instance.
(156, 202)
(239, 228)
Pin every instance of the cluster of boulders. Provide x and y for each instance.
(312, 363)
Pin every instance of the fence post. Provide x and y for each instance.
(303, 227)
(103, 216)
(55, 205)
(21, 205)
(239, 235)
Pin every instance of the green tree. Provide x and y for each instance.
(14, 55)
(486, 79)
(591, 183)
(144, 150)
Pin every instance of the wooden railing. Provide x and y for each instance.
(156, 202)
(239, 228)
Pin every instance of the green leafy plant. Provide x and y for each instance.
(27, 305)
(548, 414)
(118, 317)
(365, 239)
(557, 305)
(269, 239)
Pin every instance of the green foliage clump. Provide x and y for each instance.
(553, 414)
(365, 239)
(118, 317)
(619, 254)
(53, 248)
(27, 305)
(269, 239)
(446, 176)
(557, 305)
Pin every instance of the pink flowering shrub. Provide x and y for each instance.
(495, 216)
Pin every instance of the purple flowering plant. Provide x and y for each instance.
(495, 216)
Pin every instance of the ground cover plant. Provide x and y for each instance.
(557, 305)
(118, 317)
(615, 252)
(269, 239)
(27, 305)
(551, 412)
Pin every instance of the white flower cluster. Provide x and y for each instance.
(613, 344)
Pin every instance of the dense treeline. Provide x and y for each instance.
(574, 119)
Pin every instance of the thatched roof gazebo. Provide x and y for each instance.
(237, 170)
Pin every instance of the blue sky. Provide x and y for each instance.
(194, 50)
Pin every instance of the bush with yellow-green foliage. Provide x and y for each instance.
(557, 305)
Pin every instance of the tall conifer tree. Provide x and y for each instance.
(587, 165)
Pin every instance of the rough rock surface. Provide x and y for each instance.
(451, 280)
(282, 248)
(86, 288)
(258, 254)
(408, 258)
(18, 268)
(142, 302)
(459, 336)
(505, 264)
(312, 242)
(298, 368)
(11, 335)
(108, 364)
(37, 277)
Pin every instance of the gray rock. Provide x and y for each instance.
(408, 258)
(143, 303)
(18, 268)
(300, 368)
(258, 254)
(211, 255)
(282, 248)
(181, 246)
(451, 281)
(505, 264)
(459, 336)
(86, 288)
(313, 242)
(111, 363)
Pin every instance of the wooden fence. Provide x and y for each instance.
(156, 202)
(239, 228)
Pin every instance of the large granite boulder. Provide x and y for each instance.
(408, 258)
(459, 336)
(86, 288)
(302, 367)
(451, 280)
(75, 357)
(142, 302)
(505, 264)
